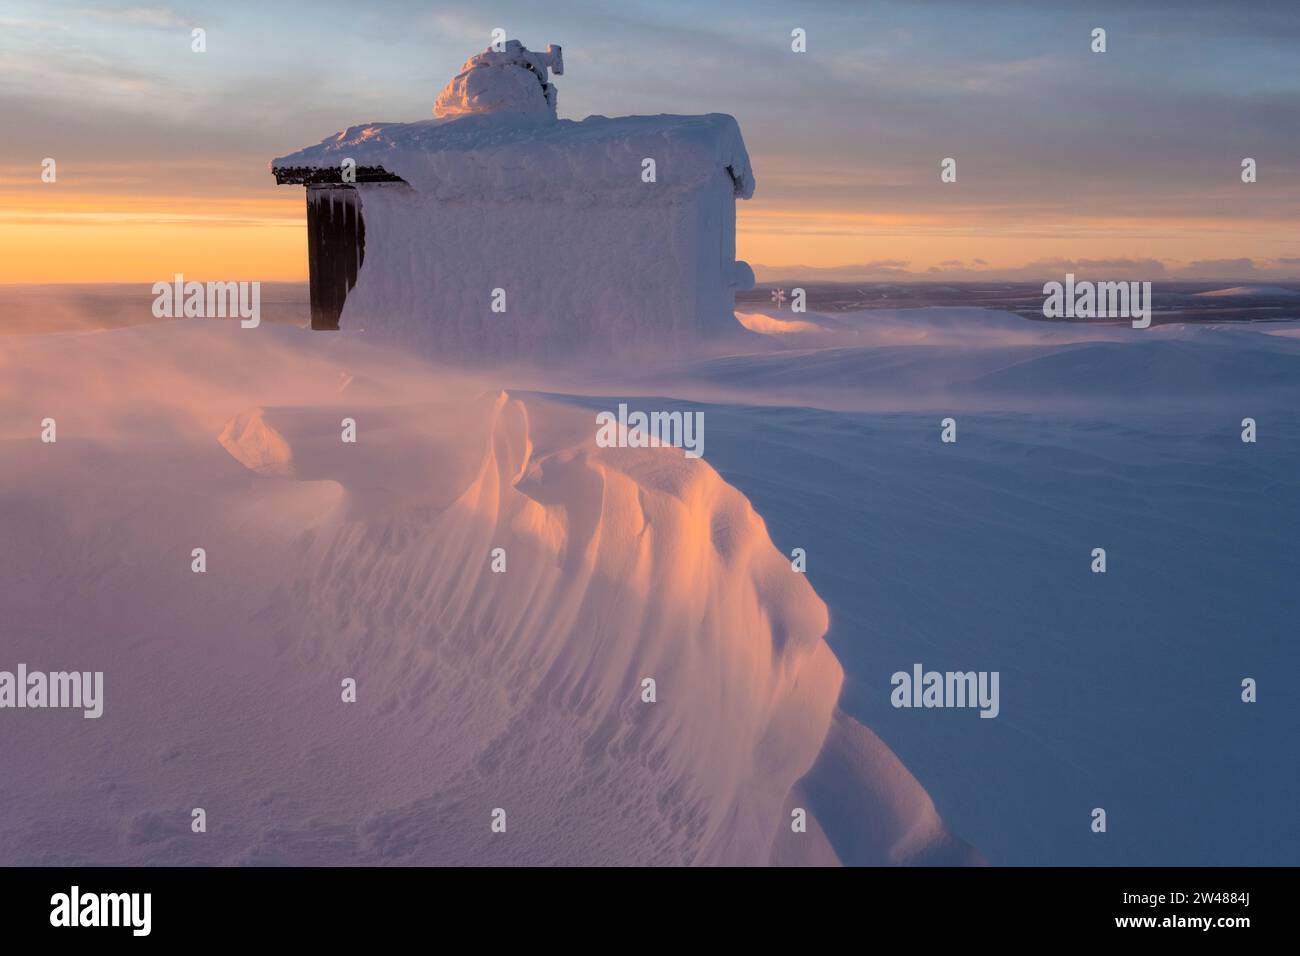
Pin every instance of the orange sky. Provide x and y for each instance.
(85, 237)
(57, 233)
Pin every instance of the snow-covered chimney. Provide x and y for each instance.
(512, 82)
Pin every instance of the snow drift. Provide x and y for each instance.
(372, 561)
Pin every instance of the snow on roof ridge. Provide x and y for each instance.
(453, 157)
(509, 81)
(501, 109)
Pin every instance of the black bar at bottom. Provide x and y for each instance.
(208, 905)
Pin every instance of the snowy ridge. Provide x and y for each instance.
(476, 690)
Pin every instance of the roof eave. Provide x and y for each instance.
(331, 175)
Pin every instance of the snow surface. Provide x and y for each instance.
(475, 690)
(522, 690)
(977, 359)
(1119, 690)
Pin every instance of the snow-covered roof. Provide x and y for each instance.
(495, 136)
(495, 157)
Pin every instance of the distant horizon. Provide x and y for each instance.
(771, 278)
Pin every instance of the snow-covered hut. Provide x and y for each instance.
(497, 230)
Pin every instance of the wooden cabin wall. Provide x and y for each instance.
(336, 247)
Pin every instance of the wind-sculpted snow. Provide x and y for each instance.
(475, 690)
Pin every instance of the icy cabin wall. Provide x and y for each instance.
(608, 276)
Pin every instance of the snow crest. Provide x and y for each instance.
(522, 689)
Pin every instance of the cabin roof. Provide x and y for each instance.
(495, 158)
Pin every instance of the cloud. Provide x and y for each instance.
(1215, 268)
(879, 269)
(1122, 268)
(1011, 74)
(159, 18)
(1285, 269)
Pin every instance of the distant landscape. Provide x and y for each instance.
(66, 307)
(1174, 301)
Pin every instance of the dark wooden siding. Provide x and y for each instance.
(309, 175)
(336, 247)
